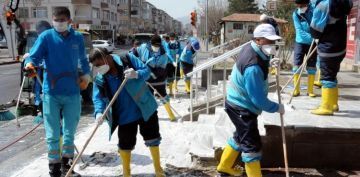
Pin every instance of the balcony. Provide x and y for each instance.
(83, 21)
(104, 5)
(81, 2)
(105, 23)
(82, 18)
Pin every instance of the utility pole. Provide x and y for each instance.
(129, 7)
(206, 25)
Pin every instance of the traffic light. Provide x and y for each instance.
(10, 16)
(193, 18)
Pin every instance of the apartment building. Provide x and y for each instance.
(104, 17)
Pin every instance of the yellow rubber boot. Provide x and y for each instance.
(171, 88)
(155, 154)
(311, 79)
(126, 158)
(327, 97)
(335, 100)
(273, 71)
(169, 111)
(187, 86)
(296, 87)
(182, 73)
(227, 162)
(317, 82)
(175, 86)
(253, 169)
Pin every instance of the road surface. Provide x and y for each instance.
(9, 82)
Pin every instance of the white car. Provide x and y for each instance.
(103, 44)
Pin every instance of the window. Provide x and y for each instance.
(251, 29)
(123, 12)
(39, 12)
(23, 12)
(95, 13)
(106, 15)
(238, 26)
(112, 16)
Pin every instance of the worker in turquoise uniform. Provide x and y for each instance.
(246, 99)
(329, 29)
(302, 19)
(175, 50)
(134, 107)
(155, 56)
(188, 60)
(62, 49)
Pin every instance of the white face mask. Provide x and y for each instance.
(60, 26)
(302, 10)
(155, 49)
(268, 49)
(172, 41)
(103, 69)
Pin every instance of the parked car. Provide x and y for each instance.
(143, 37)
(103, 44)
(3, 43)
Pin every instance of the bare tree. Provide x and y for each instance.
(216, 11)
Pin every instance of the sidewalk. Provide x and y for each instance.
(180, 139)
(5, 60)
(315, 141)
(103, 157)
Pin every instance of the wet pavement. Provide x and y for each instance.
(32, 146)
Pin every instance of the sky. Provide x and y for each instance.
(175, 8)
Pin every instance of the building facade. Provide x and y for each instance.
(105, 17)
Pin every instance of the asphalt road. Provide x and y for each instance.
(9, 82)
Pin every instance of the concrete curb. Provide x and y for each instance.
(9, 62)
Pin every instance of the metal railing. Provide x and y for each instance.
(208, 66)
(224, 45)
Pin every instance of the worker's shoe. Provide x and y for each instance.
(169, 111)
(253, 169)
(170, 86)
(65, 167)
(327, 103)
(187, 86)
(126, 158)
(335, 100)
(296, 86)
(317, 83)
(227, 161)
(311, 79)
(54, 169)
(155, 154)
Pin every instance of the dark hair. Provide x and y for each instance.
(156, 40)
(172, 35)
(97, 53)
(58, 11)
(302, 1)
(167, 38)
(42, 26)
(136, 42)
